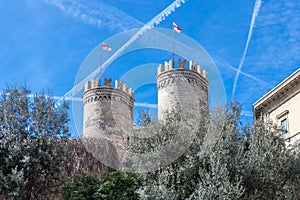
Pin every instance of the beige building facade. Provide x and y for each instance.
(281, 105)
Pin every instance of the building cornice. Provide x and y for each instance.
(285, 85)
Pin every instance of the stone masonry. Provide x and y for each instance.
(108, 110)
(185, 87)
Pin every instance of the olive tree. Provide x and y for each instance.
(32, 133)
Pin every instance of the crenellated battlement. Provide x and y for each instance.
(182, 64)
(122, 86)
(95, 84)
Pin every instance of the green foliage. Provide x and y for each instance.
(218, 158)
(160, 134)
(216, 182)
(119, 185)
(225, 161)
(268, 167)
(178, 179)
(30, 151)
(115, 185)
(83, 187)
(252, 166)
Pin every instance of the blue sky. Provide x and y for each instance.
(43, 43)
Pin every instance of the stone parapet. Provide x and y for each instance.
(107, 94)
(120, 93)
(194, 79)
(95, 84)
(182, 65)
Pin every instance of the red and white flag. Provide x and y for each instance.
(106, 47)
(176, 28)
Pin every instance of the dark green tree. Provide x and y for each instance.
(83, 187)
(121, 185)
(32, 143)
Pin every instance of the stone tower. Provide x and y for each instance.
(185, 86)
(108, 110)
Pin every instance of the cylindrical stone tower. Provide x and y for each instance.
(108, 119)
(185, 88)
(108, 111)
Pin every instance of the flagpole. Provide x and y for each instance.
(177, 29)
(100, 61)
(173, 45)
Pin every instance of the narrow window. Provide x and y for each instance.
(284, 127)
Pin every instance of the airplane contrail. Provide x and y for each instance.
(256, 9)
(146, 105)
(249, 75)
(78, 99)
(57, 97)
(97, 14)
(153, 22)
